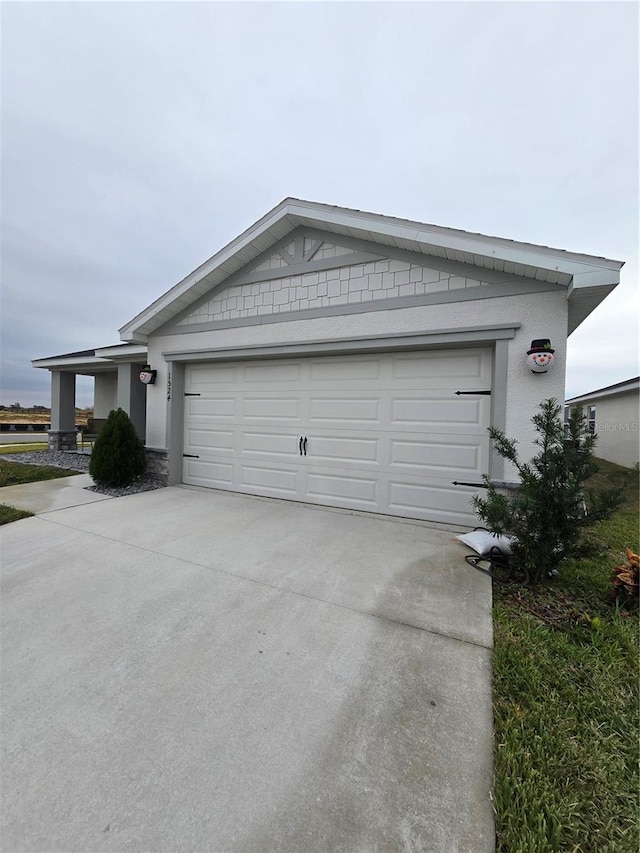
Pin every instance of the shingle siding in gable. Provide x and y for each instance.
(377, 280)
(329, 250)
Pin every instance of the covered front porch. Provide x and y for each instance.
(116, 371)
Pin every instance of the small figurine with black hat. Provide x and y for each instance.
(540, 356)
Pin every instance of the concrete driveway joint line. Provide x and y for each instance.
(50, 495)
(186, 671)
(45, 517)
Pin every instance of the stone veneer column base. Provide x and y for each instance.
(510, 489)
(158, 463)
(62, 440)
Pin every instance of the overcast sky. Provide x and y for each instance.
(139, 138)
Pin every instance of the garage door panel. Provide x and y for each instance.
(332, 371)
(207, 408)
(269, 479)
(441, 456)
(344, 408)
(331, 488)
(212, 440)
(435, 501)
(343, 449)
(274, 408)
(439, 370)
(429, 411)
(272, 372)
(213, 474)
(280, 444)
(202, 379)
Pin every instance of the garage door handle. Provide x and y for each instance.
(300, 445)
(304, 445)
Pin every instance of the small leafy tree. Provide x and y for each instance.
(552, 506)
(118, 456)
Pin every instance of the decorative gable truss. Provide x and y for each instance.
(311, 271)
(300, 252)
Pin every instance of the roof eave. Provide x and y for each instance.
(75, 365)
(103, 358)
(132, 352)
(582, 270)
(587, 290)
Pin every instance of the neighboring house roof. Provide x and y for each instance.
(588, 278)
(94, 360)
(609, 391)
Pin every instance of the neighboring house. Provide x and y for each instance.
(345, 358)
(614, 414)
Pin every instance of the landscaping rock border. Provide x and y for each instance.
(80, 462)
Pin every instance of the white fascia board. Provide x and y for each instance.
(86, 363)
(119, 353)
(594, 278)
(134, 337)
(527, 254)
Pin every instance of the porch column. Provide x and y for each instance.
(132, 396)
(104, 394)
(62, 435)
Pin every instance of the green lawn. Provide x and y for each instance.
(15, 473)
(23, 448)
(565, 667)
(11, 513)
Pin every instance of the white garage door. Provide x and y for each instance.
(384, 432)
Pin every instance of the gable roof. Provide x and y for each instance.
(609, 391)
(588, 278)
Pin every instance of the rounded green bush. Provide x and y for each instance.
(118, 456)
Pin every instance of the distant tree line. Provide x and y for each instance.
(17, 407)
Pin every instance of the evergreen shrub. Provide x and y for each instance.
(118, 457)
(552, 506)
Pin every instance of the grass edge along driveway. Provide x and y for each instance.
(565, 687)
(16, 473)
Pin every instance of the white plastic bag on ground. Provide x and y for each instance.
(482, 542)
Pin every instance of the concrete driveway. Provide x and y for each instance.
(188, 670)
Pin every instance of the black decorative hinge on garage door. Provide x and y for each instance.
(475, 485)
(191, 394)
(472, 392)
(190, 456)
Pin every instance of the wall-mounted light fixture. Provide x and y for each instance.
(540, 356)
(147, 376)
